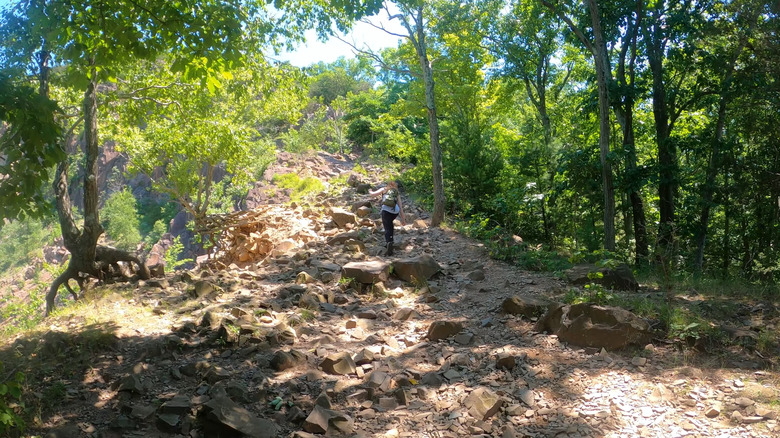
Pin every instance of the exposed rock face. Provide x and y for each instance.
(369, 272)
(416, 269)
(587, 325)
(621, 277)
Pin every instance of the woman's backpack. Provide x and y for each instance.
(391, 198)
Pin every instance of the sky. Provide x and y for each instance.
(362, 35)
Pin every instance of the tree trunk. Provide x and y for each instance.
(433, 121)
(603, 74)
(625, 117)
(86, 257)
(667, 152)
(726, 229)
(714, 165)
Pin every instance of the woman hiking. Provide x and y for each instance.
(391, 209)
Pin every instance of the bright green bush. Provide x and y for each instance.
(21, 241)
(120, 219)
(301, 188)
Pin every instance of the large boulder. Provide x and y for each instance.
(620, 277)
(417, 269)
(524, 305)
(367, 272)
(342, 217)
(588, 325)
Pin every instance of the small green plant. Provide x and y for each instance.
(172, 255)
(11, 405)
(54, 395)
(357, 168)
(307, 315)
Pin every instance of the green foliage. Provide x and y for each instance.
(29, 147)
(301, 188)
(172, 255)
(24, 313)
(120, 220)
(11, 404)
(22, 241)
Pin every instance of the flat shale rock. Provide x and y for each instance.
(369, 272)
(224, 417)
(416, 270)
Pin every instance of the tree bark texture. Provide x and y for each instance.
(603, 74)
(433, 121)
(667, 152)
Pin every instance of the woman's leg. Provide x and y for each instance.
(388, 223)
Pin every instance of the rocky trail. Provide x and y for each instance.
(302, 328)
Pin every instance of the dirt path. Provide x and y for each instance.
(193, 353)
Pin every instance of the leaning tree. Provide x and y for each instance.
(89, 41)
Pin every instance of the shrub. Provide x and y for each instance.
(172, 255)
(301, 188)
(120, 219)
(11, 404)
(21, 241)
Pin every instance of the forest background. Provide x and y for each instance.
(557, 132)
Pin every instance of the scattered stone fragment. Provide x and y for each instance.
(168, 422)
(505, 361)
(202, 288)
(712, 411)
(744, 402)
(482, 403)
(320, 420)
(464, 338)
(638, 361)
(526, 396)
(210, 320)
(476, 275)
(304, 277)
(338, 364)
(178, 405)
(324, 401)
(342, 217)
(132, 384)
(443, 329)
(405, 314)
(216, 374)
(364, 356)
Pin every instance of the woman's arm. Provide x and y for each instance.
(377, 192)
(401, 211)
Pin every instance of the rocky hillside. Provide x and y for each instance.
(301, 327)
